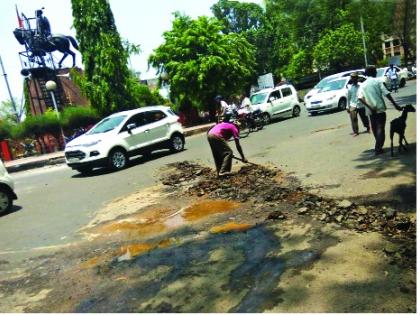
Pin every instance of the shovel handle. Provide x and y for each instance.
(248, 162)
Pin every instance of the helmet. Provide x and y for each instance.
(218, 98)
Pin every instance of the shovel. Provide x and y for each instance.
(239, 159)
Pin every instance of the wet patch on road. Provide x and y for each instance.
(215, 246)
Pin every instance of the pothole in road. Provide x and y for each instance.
(236, 236)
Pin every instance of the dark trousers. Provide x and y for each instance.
(378, 129)
(222, 153)
(354, 122)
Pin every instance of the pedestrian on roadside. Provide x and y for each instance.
(222, 153)
(392, 75)
(371, 94)
(224, 109)
(246, 103)
(354, 106)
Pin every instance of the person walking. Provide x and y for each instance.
(354, 106)
(222, 153)
(392, 75)
(371, 94)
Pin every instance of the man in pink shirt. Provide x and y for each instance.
(222, 153)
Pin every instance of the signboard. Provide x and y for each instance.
(266, 81)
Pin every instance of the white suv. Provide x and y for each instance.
(115, 138)
(7, 186)
(276, 102)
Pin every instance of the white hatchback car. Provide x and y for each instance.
(276, 102)
(7, 186)
(117, 137)
(333, 95)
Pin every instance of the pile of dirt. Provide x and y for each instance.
(267, 186)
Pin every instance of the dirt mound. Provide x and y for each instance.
(269, 187)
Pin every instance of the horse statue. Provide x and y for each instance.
(38, 42)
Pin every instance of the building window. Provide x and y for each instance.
(396, 42)
(397, 53)
(387, 44)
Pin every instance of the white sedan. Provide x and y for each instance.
(333, 95)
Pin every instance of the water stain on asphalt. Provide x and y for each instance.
(206, 208)
(231, 227)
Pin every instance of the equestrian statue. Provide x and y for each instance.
(39, 41)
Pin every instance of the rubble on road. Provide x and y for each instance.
(260, 185)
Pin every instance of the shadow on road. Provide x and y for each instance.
(14, 209)
(385, 166)
(133, 162)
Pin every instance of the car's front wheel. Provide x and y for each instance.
(342, 103)
(117, 159)
(6, 201)
(176, 144)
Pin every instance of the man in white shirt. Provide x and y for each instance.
(224, 109)
(371, 94)
(354, 106)
(392, 74)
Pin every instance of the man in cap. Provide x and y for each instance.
(354, 106)
(371, 94)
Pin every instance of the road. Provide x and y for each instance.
(54, 202)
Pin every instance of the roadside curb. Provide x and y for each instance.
(60, 160)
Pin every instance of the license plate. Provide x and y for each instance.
(73, 160)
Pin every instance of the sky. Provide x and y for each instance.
(139, 21)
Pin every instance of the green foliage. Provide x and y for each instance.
(300, 65)
(339, 48)
(7, 111)
(78, 116)
(5, 129)
(202, 62)
(27, 104)
(107, 81)
(36, 126)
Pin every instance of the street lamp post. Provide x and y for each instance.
(51, 87)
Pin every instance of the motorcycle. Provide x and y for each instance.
(29, 149)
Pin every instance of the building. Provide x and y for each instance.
(391, 46)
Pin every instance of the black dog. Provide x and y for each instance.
(398, 126)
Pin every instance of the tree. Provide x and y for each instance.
(7, 111)
(202, 62)
(249, 20)
(405, 27)
(339, 48)
(107, 81)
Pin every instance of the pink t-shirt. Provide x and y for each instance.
(225, 130)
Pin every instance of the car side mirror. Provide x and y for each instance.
(130, 127)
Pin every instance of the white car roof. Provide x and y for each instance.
(140, 110)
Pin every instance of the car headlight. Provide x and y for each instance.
(91, 143)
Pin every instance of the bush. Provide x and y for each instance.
(5, 130)
(35, 126)
(76, 116)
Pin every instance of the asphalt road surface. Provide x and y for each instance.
(54, 202)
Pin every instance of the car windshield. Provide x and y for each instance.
(334, 85)
(107, 124)
(380, 73)
(258, 98)
(323, 82)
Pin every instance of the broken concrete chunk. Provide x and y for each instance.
(345, 204)
(302, 210)
(362, 210)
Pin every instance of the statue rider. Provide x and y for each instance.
(43, 27)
